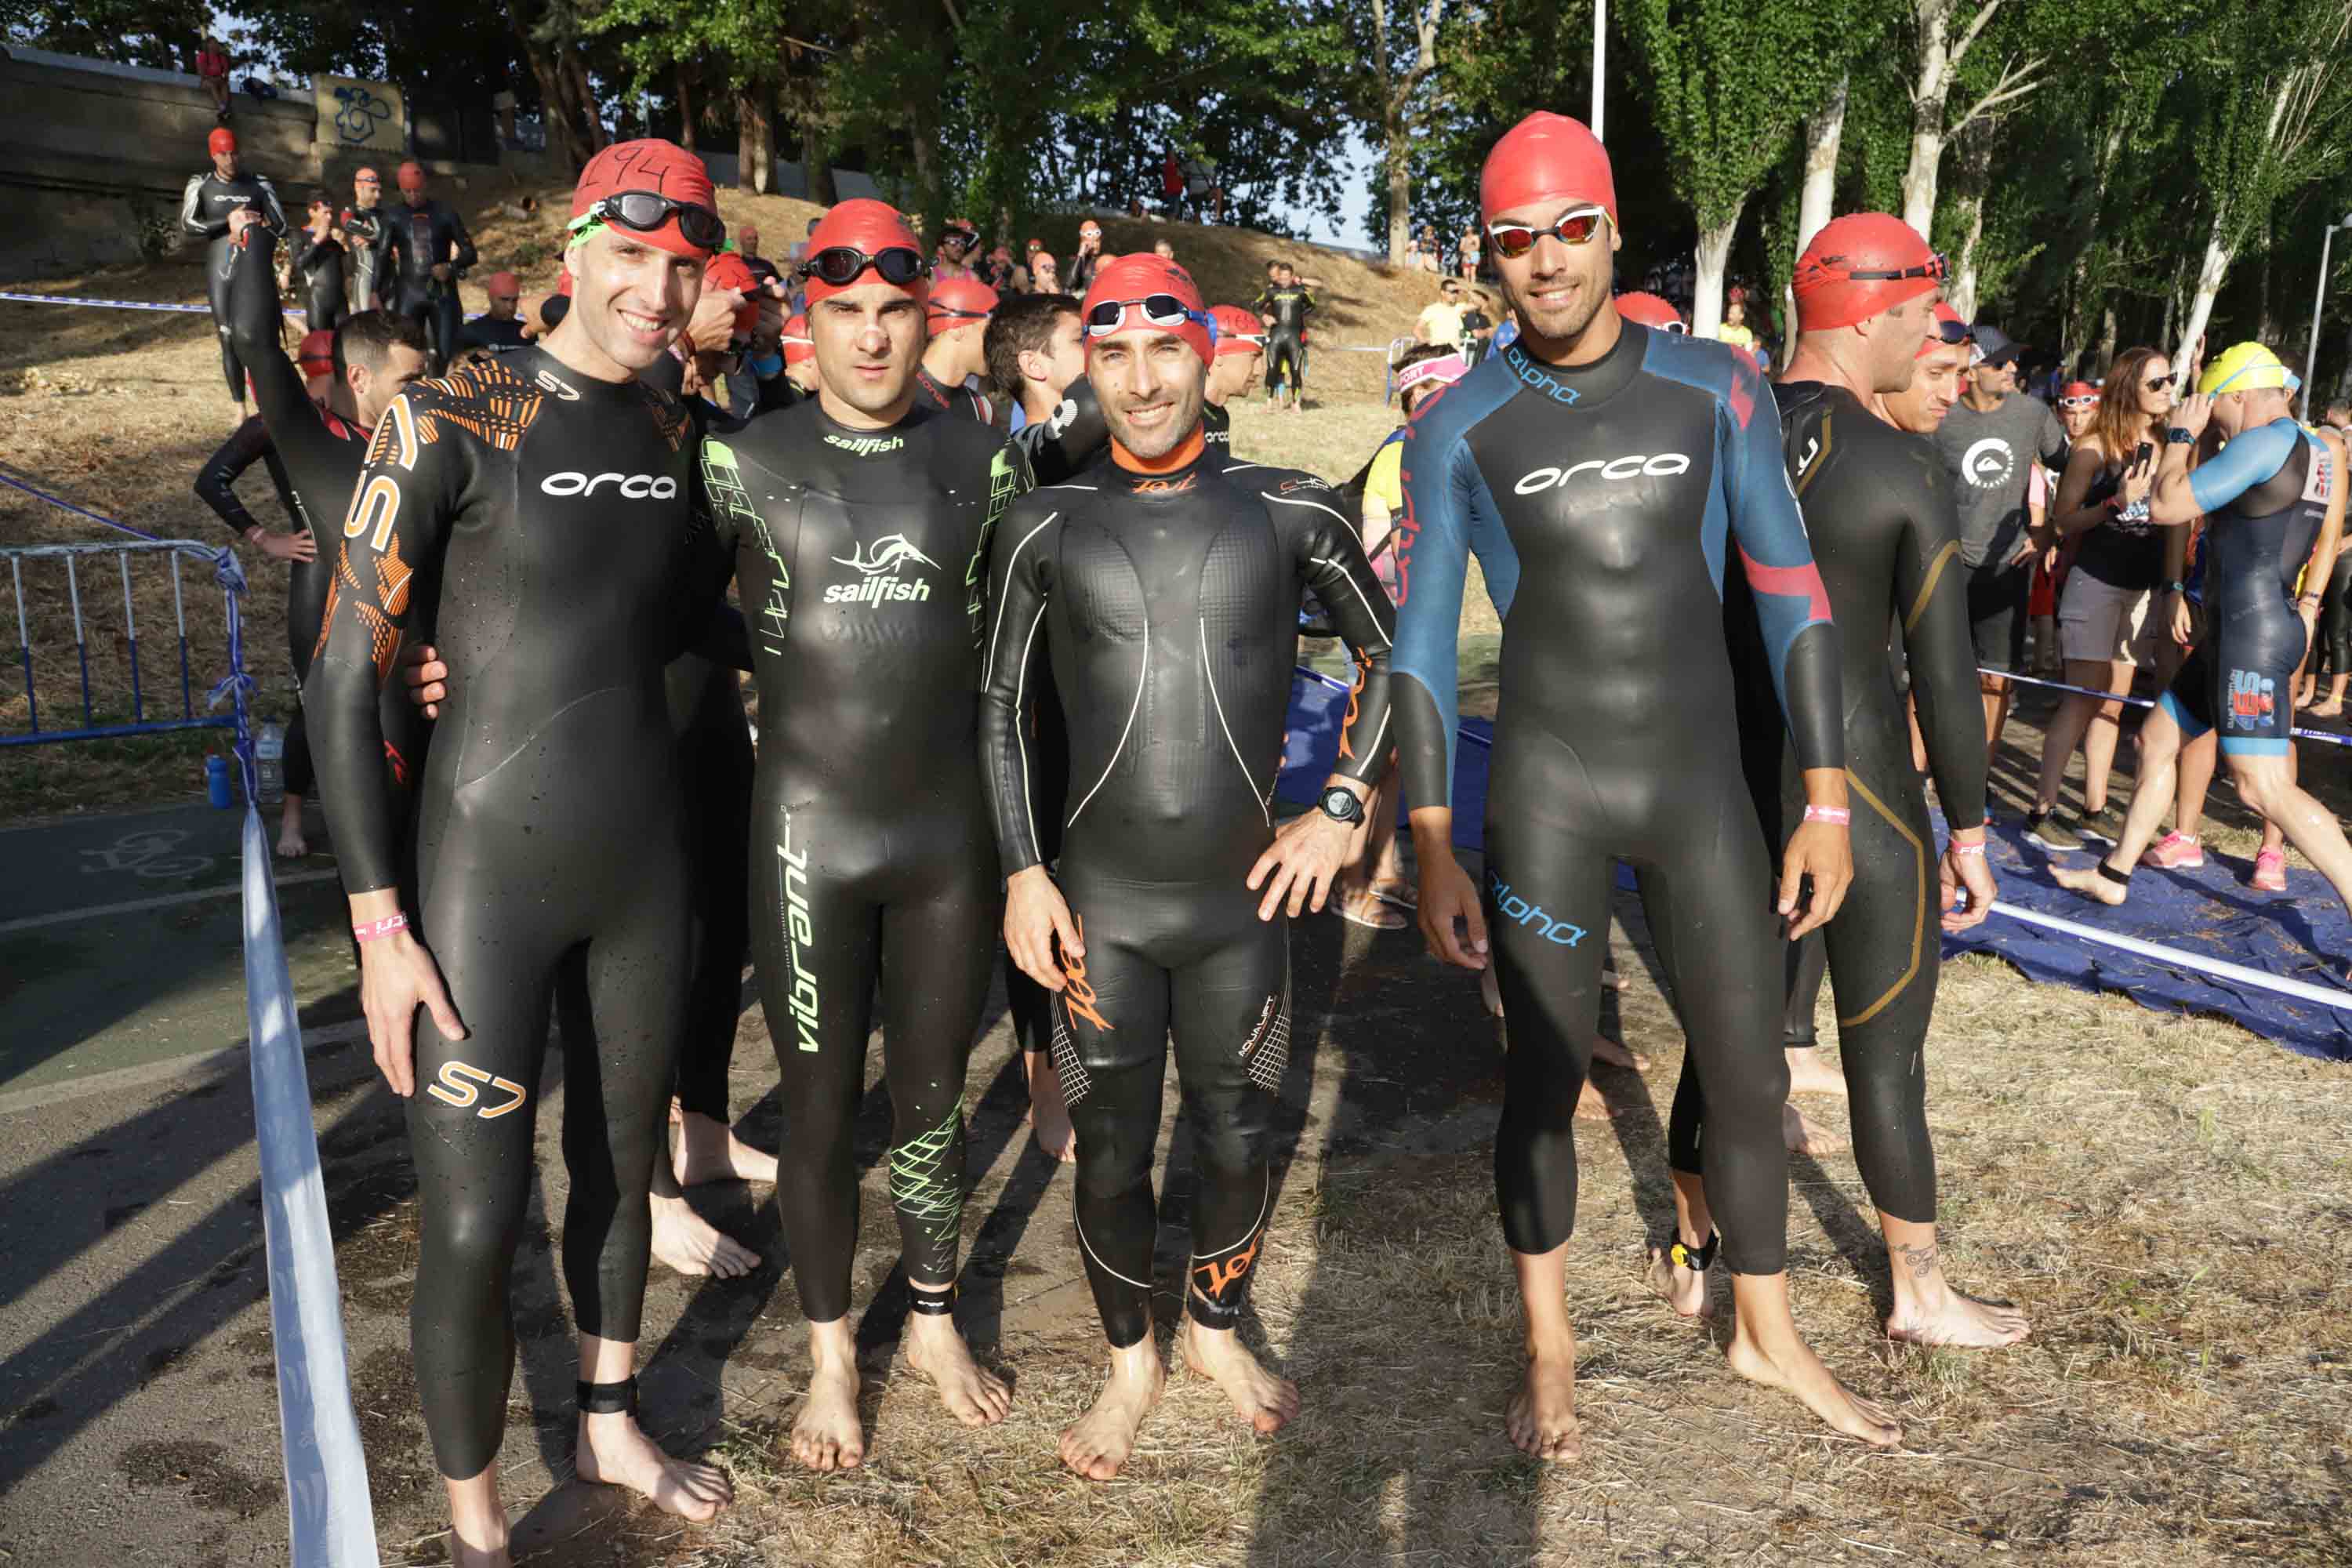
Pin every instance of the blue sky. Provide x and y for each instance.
(1357, 166)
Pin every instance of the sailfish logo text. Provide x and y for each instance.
(881, 564)
(793, 877)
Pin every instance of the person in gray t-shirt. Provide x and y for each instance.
(1990, 442)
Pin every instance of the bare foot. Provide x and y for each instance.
(2331, 708)
(1266, 1402)
(1806, 1136)
(464, 1556)
(1590, 1106)
(1809, 1074)
(1616, 1054)
(1541, 1420)
(1799, 1373)
(973, 1395)
(827, 1435)
(1099, 1444)
(613, 1452)
(1958, 1322)
(1049, 1113)
(1683, 1288)
(707, 1150)
(291, 845)
(2086, 880)
(686, 1243)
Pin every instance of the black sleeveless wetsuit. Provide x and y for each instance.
(1879, 509)
(545, 516)
(1168, 608)
(858, 556)
(1607, 504)
(204, 207)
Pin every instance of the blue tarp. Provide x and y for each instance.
(2302, 934)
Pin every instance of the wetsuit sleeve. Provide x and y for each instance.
(1074, 437)
(1019, 580)
(462, 253)
(1441, 495)
(1330, 556)
(295, 430)
(189, 199)
(272, 213)
(399, 519)
(2251, 458)
(1793, 606)
(244, 448)
(1931, 589)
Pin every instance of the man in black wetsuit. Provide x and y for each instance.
(1878, 509)
(535, 512)
(1241, 352)
(367, 235)
(428, 250)
(1607, 477)
(1165, 594)
(318, 262)
(204, 209)
(1283, 306)
(954, 368)
(857, 526)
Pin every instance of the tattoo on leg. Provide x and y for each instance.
(1920, 1260)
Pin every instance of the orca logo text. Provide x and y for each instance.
(628, 487)
(1664, 466)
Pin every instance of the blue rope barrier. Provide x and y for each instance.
(113, 304)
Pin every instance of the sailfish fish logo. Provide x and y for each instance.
(886, 555)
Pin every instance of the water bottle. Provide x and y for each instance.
(216, 781)
(269, 762)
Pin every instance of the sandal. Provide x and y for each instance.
(1367, 908)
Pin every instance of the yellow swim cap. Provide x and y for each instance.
(2244, 367)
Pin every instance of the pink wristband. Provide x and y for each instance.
(383, 927)
(1836, 815)
(1960, 848)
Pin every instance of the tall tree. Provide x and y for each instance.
(1403, 54)
(1949, 66)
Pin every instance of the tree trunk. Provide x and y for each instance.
(1706, 287)
(816, 168)
(2209, 277)
(2266, 332)
(685, 108)
(755, 138)
(924, 142)
(564, 135)
(1935, 80)
(1400, 180)
(584, 99)
(1816, 198)
(2106, 338)
(1963, 292)
(2344, 376)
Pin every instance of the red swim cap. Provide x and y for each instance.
(366, 172)
(1547, 157)
(1946, 317)
(1238, 332)
(1130, 278)
(863, 224)
(799, 347)
(502, 283)
(317, 356)
(1828, 294)
(960, 302)
(412, 175)
(222, 139)
(729, 270)
(664, 168)
(1651, 311)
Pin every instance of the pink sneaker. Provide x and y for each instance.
(2270, 871)
(2173, 852)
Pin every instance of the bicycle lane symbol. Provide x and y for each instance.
(148, 853)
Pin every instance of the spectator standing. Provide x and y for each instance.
(1172, 185)
(1466, 251)
(212, 69)
(1735, 330)
(1440, 321)
(1164, 248)
(1412, 252)
(1089, 257)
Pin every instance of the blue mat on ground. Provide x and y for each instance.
(2209, 912)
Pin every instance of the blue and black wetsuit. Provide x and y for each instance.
(1167, 607)
(204, 207)
(1606, 504)
(2265, 499)
(1879, 509)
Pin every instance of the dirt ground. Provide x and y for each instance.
(2162, 1195)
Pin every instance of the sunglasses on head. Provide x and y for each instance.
(1575, 227)
(646, 211)
(1163, 310)
(837, 265)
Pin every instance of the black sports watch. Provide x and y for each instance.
(2174, 586)
(2177, 437)
(1340, 804)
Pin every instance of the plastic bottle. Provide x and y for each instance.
(216, 781)
(269, 762)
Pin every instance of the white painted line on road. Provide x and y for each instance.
(164, 901)
(195, 1065)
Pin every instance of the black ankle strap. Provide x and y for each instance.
(1695, 1259)
(2120, 879)
(608, 1398)
(931, 1303)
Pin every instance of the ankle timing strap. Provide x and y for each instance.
(931, 1303)
(1696, 1258)
(608, 1398)
(2120, 879)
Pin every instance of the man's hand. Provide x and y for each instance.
(1822, 850)
(287, 546)
(1307, 853)
(1036, 917)
(441, 271)
(713, 321)
(397, 975)
(427, 678)
(2196, 412)
(1447, 893)
(1968, 872)
(775, 306)
(2182, 624)
(239, 220)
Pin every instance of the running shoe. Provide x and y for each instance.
(2175, 851)
(2045, 830)
(2270, 871)
(2105, 823)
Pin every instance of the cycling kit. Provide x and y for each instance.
(422, 237)
(367, 234)
(1878, 507)
(321, 264)
(2265, 498)
(544, 514)
(857, 556)
(1286, 340)
(204, 207)
(1616, 496)
(1168, 607)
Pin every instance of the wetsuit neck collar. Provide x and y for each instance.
(1186, 453)
(1584, 385)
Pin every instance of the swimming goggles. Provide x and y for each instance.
(1157, 310)
(838, 266)
(646, 211)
